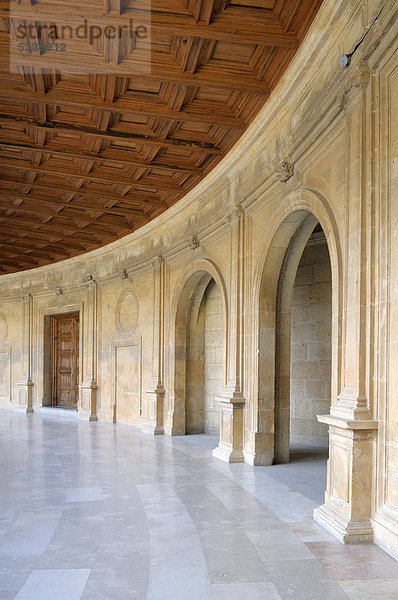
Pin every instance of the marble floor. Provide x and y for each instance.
(93, 511)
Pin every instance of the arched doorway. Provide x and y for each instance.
(311, 345)
(199, 354)
(204, 359)
(303, 346)
(298, 330)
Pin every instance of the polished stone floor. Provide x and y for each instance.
(93, 511)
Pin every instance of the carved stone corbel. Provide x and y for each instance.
(285, 171)
(194, 243)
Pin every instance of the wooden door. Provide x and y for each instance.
(65, 360)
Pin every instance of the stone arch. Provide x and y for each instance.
(279, 256)
(188, 294)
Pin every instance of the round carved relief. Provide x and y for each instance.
(3, 329)
(127, 313)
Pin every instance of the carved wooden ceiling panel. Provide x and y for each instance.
(90, 153)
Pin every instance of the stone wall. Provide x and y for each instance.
(311, 349)
(214, 357)
(195, 367)
(324, 146)
(205, 355)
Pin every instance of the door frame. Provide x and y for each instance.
(48, 353)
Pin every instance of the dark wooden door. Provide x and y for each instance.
(65, 360)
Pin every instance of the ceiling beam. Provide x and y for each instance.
(129, 198)
(26, 165)
(38, 253)
(128, 106)
(114, 137)
(165, 71)
(254, 26)
(100, 159)
(79, 236)
(127, 213)
(74, 213)
(18, 262)
(31, 244)
(62, 225)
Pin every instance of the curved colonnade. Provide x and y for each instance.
(320, 152)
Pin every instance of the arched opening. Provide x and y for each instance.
(204, 360)
(303, 348)
(298, 348)
(200, 347)
(311, 345)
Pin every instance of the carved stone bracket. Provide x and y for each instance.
(194, 243)
(285, 171)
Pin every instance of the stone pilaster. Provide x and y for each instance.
(352, 429)
(353, 399)
(153, 401)
(25, 385)
(230, 447)
(88, 389)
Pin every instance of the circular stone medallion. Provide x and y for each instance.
(127, 313)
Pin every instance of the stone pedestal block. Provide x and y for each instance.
(230, 445)
(88, 402)
(152, 412)
(347, 509)
(25, 398)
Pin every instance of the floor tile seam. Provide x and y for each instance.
(276, 579)
(330, 569)
(266, 506)
(249, 540)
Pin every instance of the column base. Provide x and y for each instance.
(175, 424)
(346, 530)
(25, 397)
(86, 416)
(227, 454)
(87, 411)
(259, 449)
(229, 448)
(152, 411)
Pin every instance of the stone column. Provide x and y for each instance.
(153, 401)
(352, 429)
(25, 386)
(230, 447)
(88, 389)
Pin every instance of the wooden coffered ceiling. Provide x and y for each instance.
(89, 154)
